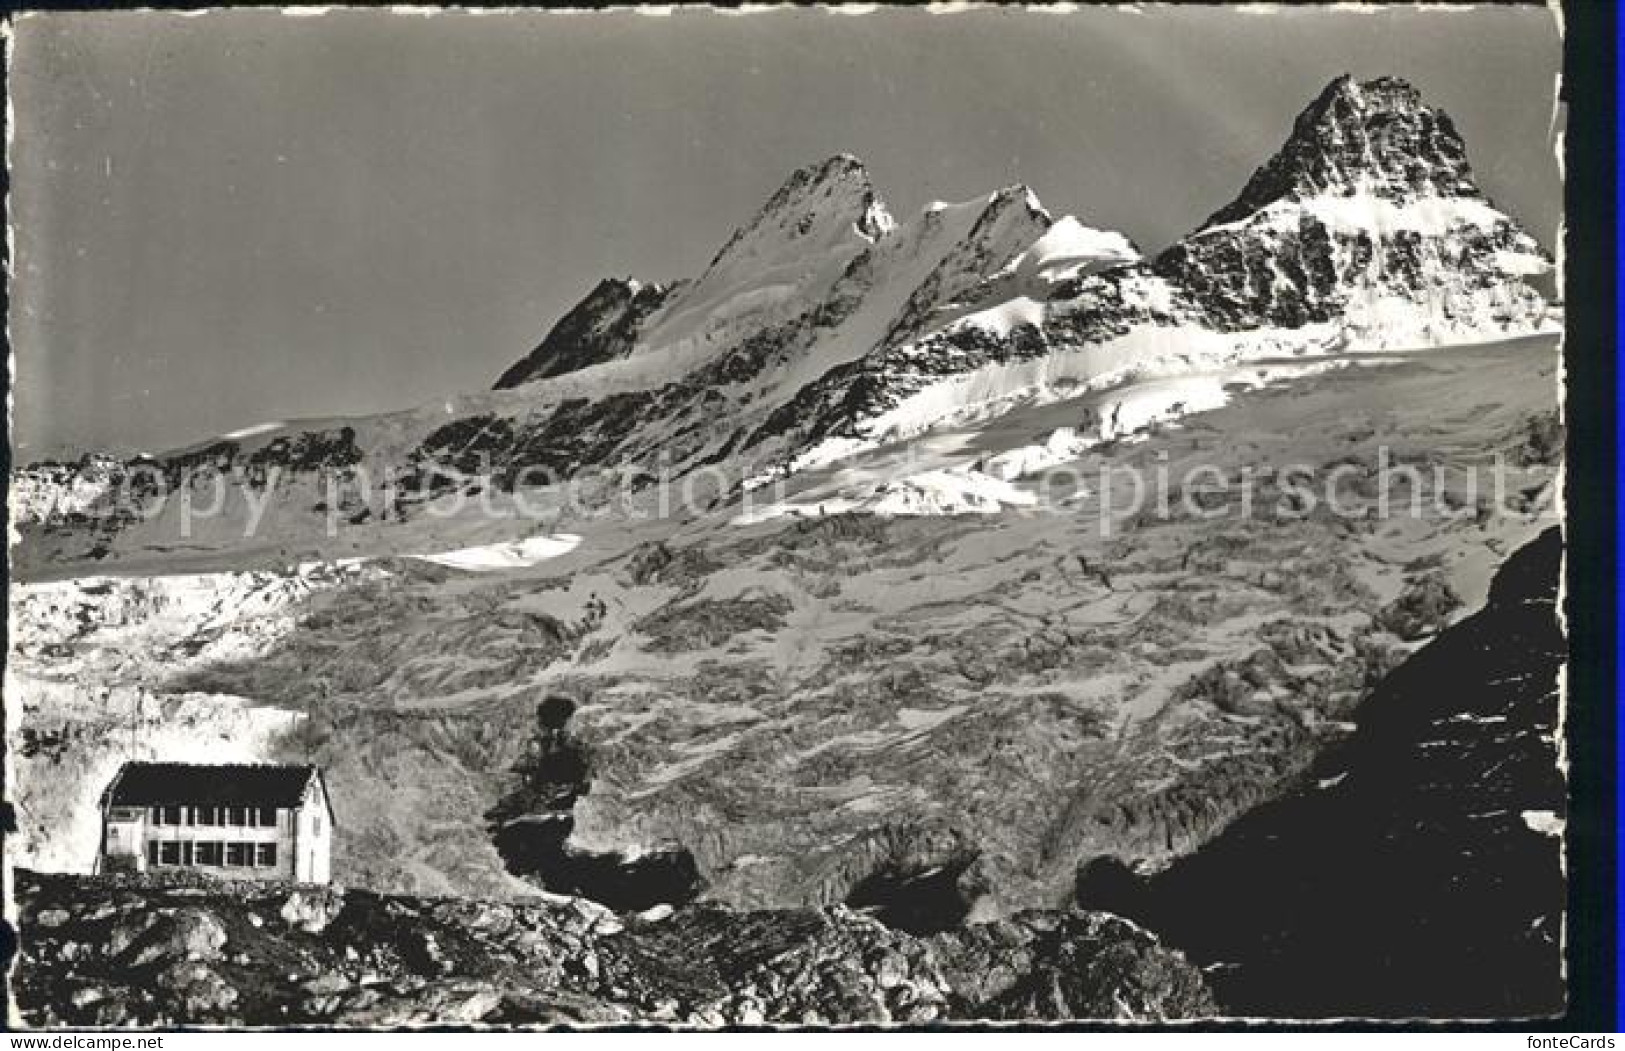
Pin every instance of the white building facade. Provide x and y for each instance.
(231, 821)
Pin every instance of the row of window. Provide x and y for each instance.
(226, 855)
(233, 816)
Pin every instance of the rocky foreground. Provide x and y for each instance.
(123, 951)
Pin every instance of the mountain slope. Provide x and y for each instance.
(1421, 861)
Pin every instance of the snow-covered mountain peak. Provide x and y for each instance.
(789, 256)
(820, 206)
(1376, 138)
(1368, 217)
(1018, 198)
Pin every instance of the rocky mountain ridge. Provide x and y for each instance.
(823, 328)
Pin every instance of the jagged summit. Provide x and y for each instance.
(818, 204)
(1374, 137)
(822, 214)
(602, 327)
(1022, 194)
(1368, 218)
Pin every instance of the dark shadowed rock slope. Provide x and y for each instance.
(600, 328)
(1417, 872)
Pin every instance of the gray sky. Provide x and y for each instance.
(246, 216)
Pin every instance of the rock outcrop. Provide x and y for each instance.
(245, 954)
(603, 327)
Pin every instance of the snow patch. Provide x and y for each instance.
(1069, 249)
(940, 491)
(1546, 822)
(1007, 316)
(1063, 445)
(1521, 264)
(1149, 352)
(1373, 215)
(948, 492)
(516, 554)
(917, 719)
(257, 429)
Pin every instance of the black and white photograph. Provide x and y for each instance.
(786, 517)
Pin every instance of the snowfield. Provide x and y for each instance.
(774, 692)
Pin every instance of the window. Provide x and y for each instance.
(237, 854)
(172, 815)
(152, 852)
(125, 813)
(157, 815)
(267, 817)
(239, 816)
(208, 854)
(265, 855)
(316, 824)
(169, 853)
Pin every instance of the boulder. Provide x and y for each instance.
(187, 934)
(126, 930)
(194, 992)
(86, 996)
(326, 983)
(311, 910)
(442, 1003)
(52, 917)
